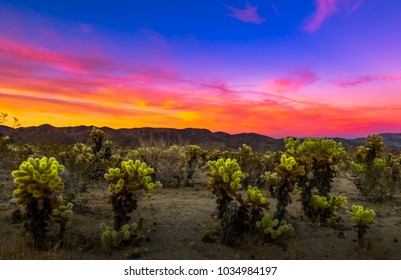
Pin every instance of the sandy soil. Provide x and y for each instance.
(179, 220)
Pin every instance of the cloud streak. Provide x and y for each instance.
(248, 15)
(294, 81)
(359, 80)
(325, 8)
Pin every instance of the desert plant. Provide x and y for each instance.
(124, 182)
(320, 158)
(239, 215)
(272, 228)
(363, 219)
(96, 136)
(224, 179)
(37, 182)
(374, 148)
(3, 119)
(115, 238)
(271, 179)
(289, 170)
(326, 207)
(251, 165)
(196, 159)
(375, 176)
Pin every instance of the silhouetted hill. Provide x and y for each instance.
(47, 134)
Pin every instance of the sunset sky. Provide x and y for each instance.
(274, 67)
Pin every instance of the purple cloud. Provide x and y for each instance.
(326, 8)
(356, 81)
(249, 15)
(295, 80)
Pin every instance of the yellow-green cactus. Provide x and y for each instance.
(272, 181)
(37, 178)
(335, 203)
(362, 217)
(124, 182)
(133, 176)
(326, 207)
(224, 180)
(273, 228)
(256, 196)
(225, 173)
(61, 215)
(114, 238)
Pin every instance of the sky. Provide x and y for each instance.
(279, 68)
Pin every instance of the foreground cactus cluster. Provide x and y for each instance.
(239, 215)
(37, 182)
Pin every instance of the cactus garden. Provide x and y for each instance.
(313, 199)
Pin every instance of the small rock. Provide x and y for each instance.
(13, 200)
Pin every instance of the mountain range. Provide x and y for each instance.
(47, 134)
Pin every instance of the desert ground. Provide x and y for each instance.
(178, 224)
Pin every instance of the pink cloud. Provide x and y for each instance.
(326, 8)
(293, 82)
(356, 81)
(249, 15)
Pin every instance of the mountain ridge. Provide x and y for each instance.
(47, 134)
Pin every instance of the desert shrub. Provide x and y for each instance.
(4, 119)
(170, 164)
(38, 182)
(124, 184)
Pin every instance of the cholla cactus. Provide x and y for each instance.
(363, 219)
(61, 215)
(374, 148)
(273, 228)
(195, 158)
(326, 207)
(96, 136)
(226, 174)
(289, 170)
(224, 179)
(272, 180)
(319, 157)
(37, 180)
(114, 238)
(255, 203)
(123, 183)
